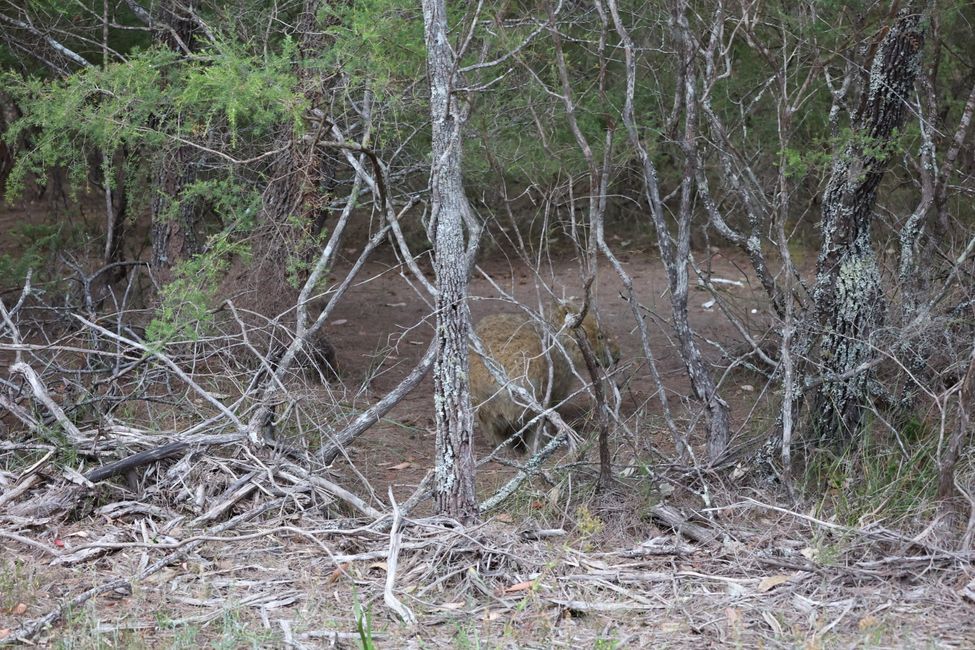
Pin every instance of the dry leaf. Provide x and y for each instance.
(733, 617)
(337, 573)
(19, 609)
(521, 586)
(769, 583)
(379, 565)
(504, 518)
(402, 465)
(452, 605)
(341, 321)
(773, 623)
(396, 304)
(868, 622)
(4, 632)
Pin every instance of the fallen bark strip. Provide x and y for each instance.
(672, 518)
(26, 541)
(26, 480)
(42, 396)
(168, 450)
(334, 489)
(30, 629)
(237, 491)
(392, 559)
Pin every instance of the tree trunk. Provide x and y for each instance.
(173, 233)
(292, 210)
(174, 230)
(675, 249)
(849, 298)
(455, 454)
(116, 213)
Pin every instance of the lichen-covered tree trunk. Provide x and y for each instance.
(849, 298)
(455, 454)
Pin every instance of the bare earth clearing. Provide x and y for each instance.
(555, 566)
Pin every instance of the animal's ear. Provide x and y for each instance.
(559, 310)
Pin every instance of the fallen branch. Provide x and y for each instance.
(31, 628)
(372, 415)
(300, 475)
(42, 396)
(122, 466)
(672, 518)
(392, 558)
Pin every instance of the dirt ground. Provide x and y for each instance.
(555, 567)
(382, 317)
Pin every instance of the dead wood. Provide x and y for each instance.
(169, 450)
(30, 629)
(672, 518)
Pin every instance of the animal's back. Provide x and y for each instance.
(515, 343)
(519, 345)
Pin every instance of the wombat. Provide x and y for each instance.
(317, 356)
(516, 343)
(321, 353)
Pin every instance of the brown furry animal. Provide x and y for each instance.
(317, 357)
(516, 343)
(321, 354)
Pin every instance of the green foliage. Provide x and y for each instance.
(246, 91)
(94, 110)
(187, 300)
(887, 476)
(37, 244)
(588, 526)
(148, 108)
(802, 163)
(363, 625)
(152, 103)
(379, 41)
(232, 200)
(466, 637)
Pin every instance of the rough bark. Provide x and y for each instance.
(455, 454)
(6, 152)
(848, 295)
(173, 233)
